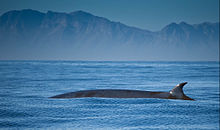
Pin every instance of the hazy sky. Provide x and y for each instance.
(145, 14)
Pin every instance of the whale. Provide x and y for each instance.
(175, 93)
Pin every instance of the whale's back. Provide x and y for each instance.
(109, 93)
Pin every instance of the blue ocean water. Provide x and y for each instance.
(26, 85)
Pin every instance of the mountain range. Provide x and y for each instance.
(32, 35)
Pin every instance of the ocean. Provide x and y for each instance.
(26, 85)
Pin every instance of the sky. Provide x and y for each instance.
(146, 14)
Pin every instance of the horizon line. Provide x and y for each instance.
(25, 60)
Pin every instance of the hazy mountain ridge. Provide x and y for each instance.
(81, 35)
(186, 33)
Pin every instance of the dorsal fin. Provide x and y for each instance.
(178, 93)
(179, 87)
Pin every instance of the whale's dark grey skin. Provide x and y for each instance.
(175, 93)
